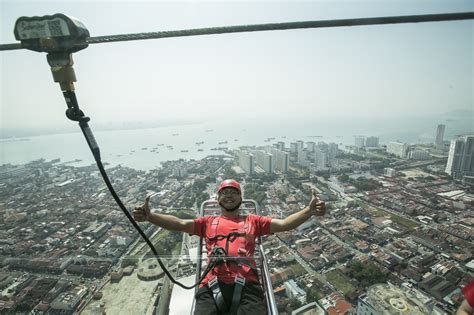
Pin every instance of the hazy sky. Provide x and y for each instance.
(379, 70)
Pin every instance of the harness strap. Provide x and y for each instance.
(239, 284)
(214, 224)
(217, 295)
(221, 305)
(243, 228)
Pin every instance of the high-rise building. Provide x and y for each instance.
(246, 162)
(265, 161)
(179, 171)
(299, 145)
(461, 157)
(418, 155)
(281, 145)
(302, 158)
(372, 142)
(293, 147)
(398, 148)
(359, 141)
(282, 160)
(322, 146)
(439, 142)
(333, 149)
(320, 158)
(310, 146)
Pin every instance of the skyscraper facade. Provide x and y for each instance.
(333, 149)
(460, 160)
(299, 145)
(372, 142)
(320, 158)
(310, 146)
(439, 142)
(246, 162)
(359, 141)
(282, 160)
(398, 148)
(293, 147)
(265, 161)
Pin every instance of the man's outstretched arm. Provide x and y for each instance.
(166, 221)
(316, 207)
(465, 309)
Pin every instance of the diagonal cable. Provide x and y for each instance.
(273, 27)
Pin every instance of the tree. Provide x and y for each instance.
(344, 178)
(313, 295)
(129, 261)
(366, 274)
(293, 304)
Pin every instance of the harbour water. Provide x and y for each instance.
(145, 149)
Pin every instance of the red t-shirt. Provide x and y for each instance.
(468, 292)
(226, 272)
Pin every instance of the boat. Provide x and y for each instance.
(175, 134)
(184, 151)
(200, 150)
(199, 143)
(223, 142)
(209, 130)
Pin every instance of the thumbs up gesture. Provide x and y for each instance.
(317, 207)
(142, 213)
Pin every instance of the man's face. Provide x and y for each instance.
(229, 197)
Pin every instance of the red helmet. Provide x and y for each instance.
(229, 183)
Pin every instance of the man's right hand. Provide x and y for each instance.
(142, 213)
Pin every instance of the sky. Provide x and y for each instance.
(380, 71)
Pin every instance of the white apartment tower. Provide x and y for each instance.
(265, 161)
(246, 162)
(299, 145)
(282, 160)
(461, 157)
(320, 158)
(293, 147)
(398, 148)
(303, 158)
(332, 151)
(281, 145)
(310, 146)
(372, 142)
(359, 141)
(439, 136)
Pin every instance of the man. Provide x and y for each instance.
(232, 286)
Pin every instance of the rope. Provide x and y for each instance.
(273, 27)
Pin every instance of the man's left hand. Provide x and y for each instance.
(316, 206)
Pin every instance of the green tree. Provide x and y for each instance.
(344, 178)
(129, 261)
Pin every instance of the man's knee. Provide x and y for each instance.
(204, 302)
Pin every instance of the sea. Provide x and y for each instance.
(147, 148)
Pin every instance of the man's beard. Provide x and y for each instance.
(230, 209)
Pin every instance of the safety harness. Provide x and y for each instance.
(220, 256)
